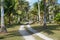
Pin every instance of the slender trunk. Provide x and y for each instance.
(26, 18)
(25, 15)
(44, 25)
(49, 14)
(9, 18)
(18, 19)
(39, 10)
(49, 18)
(3, 28)
(53, 14)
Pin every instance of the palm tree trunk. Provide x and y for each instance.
(9, 19)
(38, 10)
(50, 13)
(3, 28)
(18, 19)
(44, 25)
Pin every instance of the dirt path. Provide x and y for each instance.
(25, 34)
(28, 36)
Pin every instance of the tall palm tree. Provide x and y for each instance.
(39, 9)
(3, 28)
(44, 13)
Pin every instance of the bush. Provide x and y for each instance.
(57, 18)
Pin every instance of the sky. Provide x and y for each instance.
(59, 1)
(33, 1)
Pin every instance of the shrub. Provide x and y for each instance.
(57, 18)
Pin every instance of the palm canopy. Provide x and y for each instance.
(9, 6)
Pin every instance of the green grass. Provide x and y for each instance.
(52, 31)
(12, 34)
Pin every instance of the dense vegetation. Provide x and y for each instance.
(19, 11)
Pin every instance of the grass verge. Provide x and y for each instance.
(52, 31)
(12, 34)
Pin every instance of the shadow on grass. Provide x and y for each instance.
(11, 26)
(11, 33)
(14, 33)
(49, 30)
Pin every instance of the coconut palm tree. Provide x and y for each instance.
(3, 28)
(44, 24)
(39, 9)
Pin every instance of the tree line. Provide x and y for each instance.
(17, 11)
